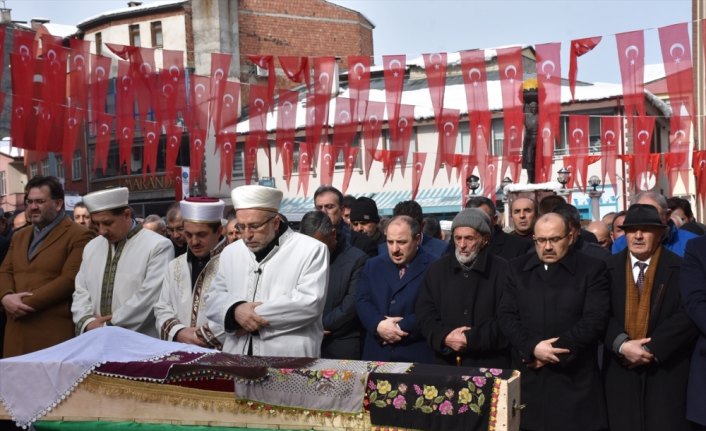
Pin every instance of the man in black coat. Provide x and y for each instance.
(650, 337)
(458, 300)
(342, 328)
(501, 244)
(554, 310)
(329, 200)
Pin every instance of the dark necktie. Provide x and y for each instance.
(640, 276)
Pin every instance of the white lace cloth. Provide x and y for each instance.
(32, 385)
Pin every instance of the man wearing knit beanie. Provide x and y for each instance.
(364, 218)
(459, 296)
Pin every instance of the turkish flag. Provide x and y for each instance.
(610, 137)
(350, 158)
(22, 69)
(465, 169)
(401, 137)
(145, 80)
(2, 63)
(393, 70)
(78, 72)
(227, 111)
(447, 127)
(324, 70)
(677, 159)
(372, 129)
(226, 142)
(420, 159)
(642, 137)
(549, 92)
(250, 156)
(104, 131)
(511, 75)
(197, 149)
(699, 166)
(258, 117)
(296, 68)
(570, 165)
(125, 113)
(172, 86)
(287, 103)
(578, 48)
(72, 125)
(578, 145)
(676, 55)
(435, 67)
(199, 101)
(100, 74)
(305, 152)
(490, 179)
(220, 67)
(631, 56)
(267, 62)
(150, 134)
(327, 163)
(174, 133)
(359, 85)
(344, 125)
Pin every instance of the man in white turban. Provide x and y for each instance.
(122, 269)
(270, 289)
(180, 310)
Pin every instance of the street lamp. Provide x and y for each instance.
(473, 183)
(502, 199)
(563, 176)
(595, 196)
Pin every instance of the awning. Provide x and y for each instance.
(432, 201)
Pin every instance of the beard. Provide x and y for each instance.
(466, 260)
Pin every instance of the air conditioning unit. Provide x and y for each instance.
(261, 72)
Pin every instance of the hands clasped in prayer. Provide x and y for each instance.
(14, 306)
(635, 354)
(389, 330)
(248, 319)
(456, 340)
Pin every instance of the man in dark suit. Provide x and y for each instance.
(431, 245)
(554, 310)
(457, 305)
(329, 200)
(387, 296)
(501, 244)
(341, 325)
(650, 337)
(693, 292)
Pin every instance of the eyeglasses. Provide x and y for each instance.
(326, 206)
(253, 227)
(553, 240)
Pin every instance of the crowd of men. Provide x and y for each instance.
(606, 323)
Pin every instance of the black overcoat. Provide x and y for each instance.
(650, 397)
(570, 300)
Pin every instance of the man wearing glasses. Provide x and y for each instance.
(270, 289)
(555, 310)
(37, 275)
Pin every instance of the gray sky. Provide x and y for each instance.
(414, 27)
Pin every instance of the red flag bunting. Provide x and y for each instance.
(174, 133)
(227, 111)
(250, 156)
(145, 80)
(287, 104)
(327, 163)
(642, 133)
(511, 75)
(220, 67)
(267, 62)
(150, 134)
(296, 68)
(344, 125)
(549, 92)
(125, 114)
(359, 84)
(420, 160)
(258, 117)
(610, 137)
(197, 149)
(393, 69)
(104, 129)
(676, 55)
(435, 67)
(490, 180)
(305, 154)
(465, 169)
(100, 74)
(2, 63)
(699, 166)
(400, 138)
(631, 56)
(350, 158)
(372, 129)
(22, 68)
(199, 101)
(324, 70)
(579, 47)
(226, 142)
(172, 86)
(72, 126)
(448, 135)
(578, 146)
(677, 159)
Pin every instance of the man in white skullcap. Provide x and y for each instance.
(122, 269)
(180, 310)
(270, 289)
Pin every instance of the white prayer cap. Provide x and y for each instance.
(202, 210)
(256, 197)
(107, 199)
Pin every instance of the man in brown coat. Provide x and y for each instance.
(37, 275)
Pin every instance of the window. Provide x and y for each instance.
(76, 166)
(497, 136)
(3, 183)
(99, 44)
(32, 170)
(60, 167)
(239, 163)
(45, 167)
(134, 35)
(156, 28)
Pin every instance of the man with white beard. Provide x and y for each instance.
(457, 303)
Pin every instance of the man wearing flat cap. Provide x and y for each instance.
(180, 310)
(459, 297)
(270, 289)
(122, 269)
(364, 218)
(650, 336)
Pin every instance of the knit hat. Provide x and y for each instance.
(364, 209)
(473, 218)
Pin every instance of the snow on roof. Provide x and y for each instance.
(454, 58)
(131, 10)
(455, 98)
(61, 30)
(7, 149)
(653, 72)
